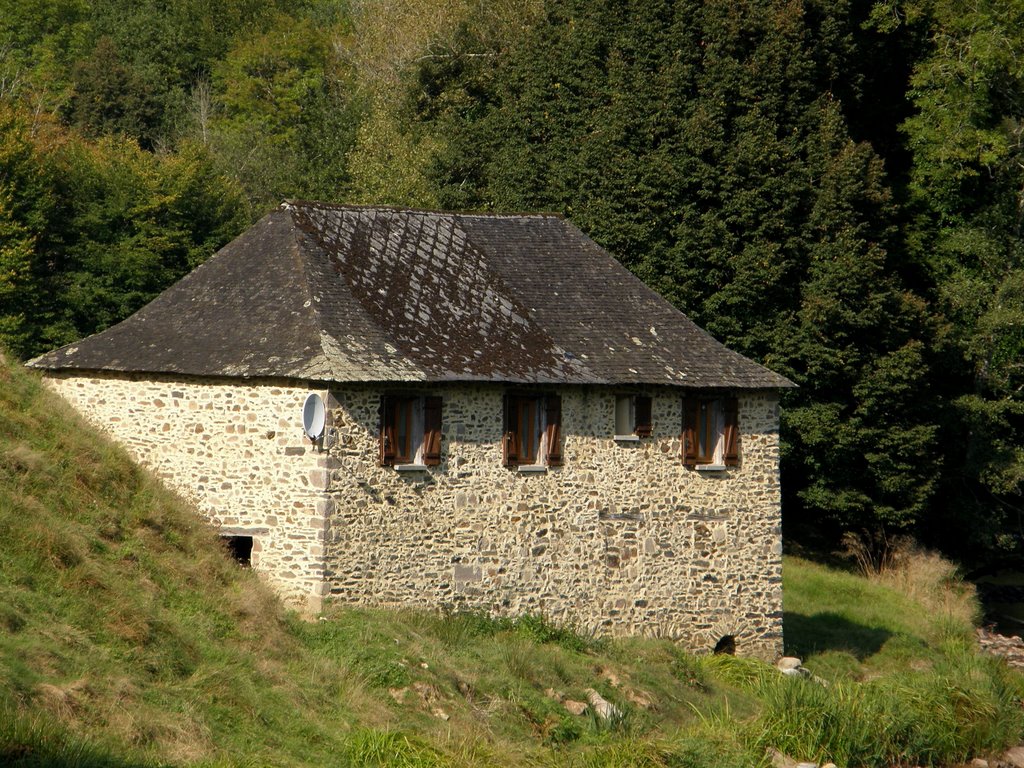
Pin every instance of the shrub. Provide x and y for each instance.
(540, 629)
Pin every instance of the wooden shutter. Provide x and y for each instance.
(553, 430)
(510, 435)
(432, 431)
(731, 432)
(642, 409)
(387, 431)
(691, 415)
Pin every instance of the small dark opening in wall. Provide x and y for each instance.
(726, 645)
(240, 548)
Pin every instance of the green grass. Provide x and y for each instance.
(36, 743)
(846, 626)
(129, 639)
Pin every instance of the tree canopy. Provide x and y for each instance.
(833, 188)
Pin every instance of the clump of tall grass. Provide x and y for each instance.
(33, 742)
(922, 575)
(934, 582)
(964, 705)
(454, 628)
(709, 745)
(369, 748)
(634, 753)
(541, 629)
(747, 674)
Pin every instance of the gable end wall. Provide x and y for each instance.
(234, 449)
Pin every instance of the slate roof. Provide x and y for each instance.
(345, 293)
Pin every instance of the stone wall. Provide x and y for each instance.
(621, 539)
(236, 450)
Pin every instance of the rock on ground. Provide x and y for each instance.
(603, 708)
(1010, 648)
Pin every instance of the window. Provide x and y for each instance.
(711, 435)
(632, 417)
(410, 431)
(533, 431)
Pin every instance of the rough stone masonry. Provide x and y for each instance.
(622, 539)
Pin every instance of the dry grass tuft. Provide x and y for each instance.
(922, 575)
(23, 459)
(56, 544)
(253, 604)
(183, 741)
(933, 581)
(63, 701)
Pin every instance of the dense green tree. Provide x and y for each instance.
(91, 231)
(25, 205)
(128, 224)
(129, 67)
(861, 440)
(700, 142)
(39, 46)
(966, 196)
(284, 115)
(109, 99)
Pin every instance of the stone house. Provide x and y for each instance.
(504, 419)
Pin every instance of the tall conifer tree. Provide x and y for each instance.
(697, 142)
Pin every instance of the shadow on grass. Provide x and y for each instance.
(17, 757)
(804, 635)
(35, 743)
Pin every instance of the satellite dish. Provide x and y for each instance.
(314, 416)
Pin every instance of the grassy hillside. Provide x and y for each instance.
(129, 638)
(122, 620)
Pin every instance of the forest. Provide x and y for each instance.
(832, 187)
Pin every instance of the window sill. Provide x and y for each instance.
(711, 467)
(411, 467)
(531, 469)
(626, 438)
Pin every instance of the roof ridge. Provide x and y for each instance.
(290, 203)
